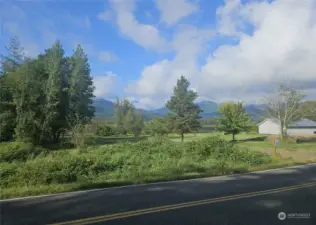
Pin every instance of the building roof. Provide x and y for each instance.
(276, 121)
(304, 123)
(300, 123)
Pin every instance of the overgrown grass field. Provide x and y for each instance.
(28, 170)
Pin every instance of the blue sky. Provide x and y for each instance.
(228, 49)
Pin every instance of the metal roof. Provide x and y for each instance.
(300, 123)
(304, 123)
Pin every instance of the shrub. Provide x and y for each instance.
(81, 137)
(253, 129)
(134, 162)
(8, 170)
(49, 170)
(19, 151)
(105, 130)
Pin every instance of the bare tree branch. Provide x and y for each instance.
(283, 104)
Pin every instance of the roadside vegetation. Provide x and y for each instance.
(108, 165)
(50, 141)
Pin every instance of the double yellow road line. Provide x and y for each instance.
(139, 212)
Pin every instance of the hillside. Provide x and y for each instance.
(209, 109)
(105, 109)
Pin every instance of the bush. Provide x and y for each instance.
(105, 130)
(81, 137)
(253, 129)
(19, 151)
(119, 130)
(58, 169)
(7, 172)
(133, 162)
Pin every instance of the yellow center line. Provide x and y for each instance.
(97, 219)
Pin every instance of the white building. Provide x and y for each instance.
(303, 127)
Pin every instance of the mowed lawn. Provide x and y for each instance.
(297, 151)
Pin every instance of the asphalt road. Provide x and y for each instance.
(254, 199)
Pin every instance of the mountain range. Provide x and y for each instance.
(105, 109)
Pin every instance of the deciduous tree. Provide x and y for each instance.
(233, 119)
(283, 104)
(157, 127)
(56, 107)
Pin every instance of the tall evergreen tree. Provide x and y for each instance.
(15, 56)
(8, 65)
(185, 113)
(56, 105)
(80, 88)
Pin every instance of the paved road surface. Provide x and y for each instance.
(254, 198)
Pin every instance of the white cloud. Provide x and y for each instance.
(159, 78)
(281, 46)
(229, 18)
(104, 84)
(106, 56)
(149, 103)
(173, 11)
(105, 16)
(144, 35)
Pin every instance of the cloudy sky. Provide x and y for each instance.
(228, 49)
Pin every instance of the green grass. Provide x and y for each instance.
(198, 136)
(253, 141)
(255, 145)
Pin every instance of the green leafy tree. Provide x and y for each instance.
(124, 111)
(157, 127)
(8, 65)
(308, 110)
(39, 95)
(137, 125)
(80, 88)
(129, 119)
(28, 98)
(185, 113)
(56, 107)
(233, 119)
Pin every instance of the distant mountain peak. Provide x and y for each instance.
(105, 109)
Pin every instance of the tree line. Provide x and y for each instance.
(285, 103)
(43, 97)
